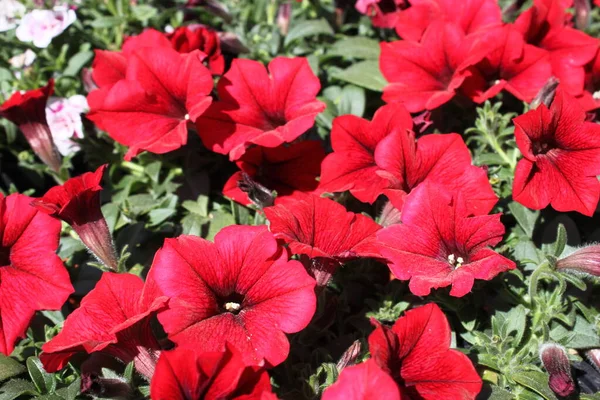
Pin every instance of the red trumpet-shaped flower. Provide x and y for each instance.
(285, 169)
(439, 243)
(32, 276)
(520, 68)
(416, 353)
(561, 157)
(189, 38)
(384, 157)
(240, 289)
(265, 108)
(362, 382)
(28, 111)
(545, 25)
(183, 374)
(469, 15)
(77, 202)
(150, 108)
(114, 318)
(323, 231)
(425, 75)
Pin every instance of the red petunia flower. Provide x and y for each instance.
(520, 68)
(439, 243)
(416, 352)
(32, 276)
(256, 106)
(590, 98)
(114, 318)
(363, 382)
(545, 25)
(384, 157)
(240, 289)
(323, 231)
(469, 15)
(284, 169)
(425, 75)
(352, 164)
(28, 111)
(561, 157)
(77, 202)
(150, 109)
(186, 373)
(189, 38)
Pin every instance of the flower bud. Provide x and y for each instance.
(283, 18)
(583, 15)
(593, 357)
(257, 193)
(546, 93)
(231, 43)
(390, 215)
(555, 360)
(349, 356)
(585, 260)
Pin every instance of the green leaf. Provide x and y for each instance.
(352, 101)
(77, 62)
(356, 47)
(160, 215)
(500, 394)
(192, 224)
(43, 381)
(583, 335)
(16, 388)
(9, 367)
(70, 392)
(218, 220)
(536, 381)
(308, 28)
(107, 22)
(364, 74)
(143, 12)
(525, 218)
(561, 240)
(512, 324)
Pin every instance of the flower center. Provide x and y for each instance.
(4, 256)
(540, 148)
(231, 304)
(454, 261)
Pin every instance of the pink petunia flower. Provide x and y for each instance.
(64, 120)
(41, 26)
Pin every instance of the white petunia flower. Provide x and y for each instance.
(41, 26)
(64, 120)
(10, 12)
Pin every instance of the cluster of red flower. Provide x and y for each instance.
(227, 305)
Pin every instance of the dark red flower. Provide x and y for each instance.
(416, 352)
(189, 38)
(114, 318)
(256, 106)
(28, 111)
(185, 373)
(363, 382)
(561, 157)
(439, 243)
(240, 289)
(590, 98)
(511, 64)
(77, 202)
(151, 107)
(384, 156)
(285, 169)
(545, 25)
(32, 276)
(320, 227)
(469, 15)
(425, 75)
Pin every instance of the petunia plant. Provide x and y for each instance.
(332, 199)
